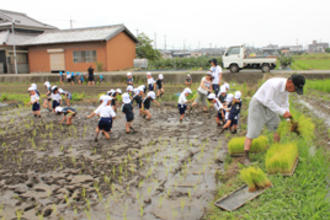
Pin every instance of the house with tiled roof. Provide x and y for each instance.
(15, 29)
(106, 48)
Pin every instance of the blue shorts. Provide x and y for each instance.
(36, 107)
(151, 87)
(182, 108)
(105, 124)
(215, 88)
(55, 104)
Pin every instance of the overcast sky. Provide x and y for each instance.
(190, 23)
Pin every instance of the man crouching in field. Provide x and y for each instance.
(270, 101)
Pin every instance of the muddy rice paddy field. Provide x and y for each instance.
(166, 170)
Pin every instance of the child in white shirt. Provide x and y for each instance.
(182, 102)
(34, 101)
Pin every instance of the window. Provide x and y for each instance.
(84, 56)
(234, 50)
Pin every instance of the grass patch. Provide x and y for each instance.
(320, 85)
(236, 145)
(311, 62)
(8, 97)
(255, 178)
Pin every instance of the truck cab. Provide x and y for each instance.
(236, 59)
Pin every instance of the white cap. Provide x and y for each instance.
(33, 85)
(148, 73)
(238, 95)
(112, 91)
(229, 98)
(141, 88)
(226, 85)
(58, 109)
(118, 91)
(109, 92)
(30, 89)
(187, 90)
(129, 74)
(126, 98)
(129, 88)
(105, 98)
(223, 89)
(211, 96)
(60, 90)
(54, 87)
(160, 76)
(209, 73)
(151, 94)
(46, 83)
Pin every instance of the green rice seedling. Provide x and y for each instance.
(236, 145)
(255, 178)
(281, 158)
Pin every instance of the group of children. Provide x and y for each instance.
(80, 78)
(227, 105)
(52, 102)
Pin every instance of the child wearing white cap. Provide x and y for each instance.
(34, 101)
(159, 83)
(103, 101)
(68, 114)
(67, 95)
(146, 104)
(130, 90)
(127, 109)
(138, 97)
(151, 82)
(227, 105)
(106, 114)
(182, 102)
(47, 102)
(115, 98)
(129, 80)
(235, 110)
(218, 107)
(35, 87)
(222, 94)
(56, 98)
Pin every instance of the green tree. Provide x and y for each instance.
(144, 48)
(327, 50)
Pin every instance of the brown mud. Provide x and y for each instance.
(164, 171)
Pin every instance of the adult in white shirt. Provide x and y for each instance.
(216, 75)
(269, 102)
(203, 90)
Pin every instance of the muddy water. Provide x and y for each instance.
(164, 171)
(322, 114)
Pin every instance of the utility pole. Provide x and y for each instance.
(71, 23)
(165, 42)
(14, 45)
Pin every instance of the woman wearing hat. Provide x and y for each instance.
(203, 90)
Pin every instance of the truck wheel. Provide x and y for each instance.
(234, 68)
(265, 68)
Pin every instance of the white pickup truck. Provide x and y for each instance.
(235, 59)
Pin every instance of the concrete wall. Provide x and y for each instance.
(170, 77)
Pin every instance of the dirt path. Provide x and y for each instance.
(165, 171)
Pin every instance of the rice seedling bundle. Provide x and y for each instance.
(281, 158)
(236, 145)
(255, 178)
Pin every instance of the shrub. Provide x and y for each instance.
(280, 158)
(78, 96)
(255, 178)
(285, 60)
(236, 145)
